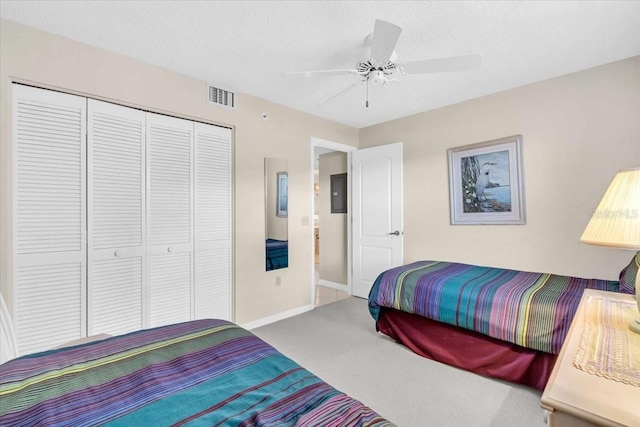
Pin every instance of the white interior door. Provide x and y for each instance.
(377, 231)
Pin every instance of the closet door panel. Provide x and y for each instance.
(170, 223)
(213, 183)
(116, 290)
(170, 295)
(213, 221)
(213, 284)
(170, 155)
(49, 217)
(116, 213)
(50, 305)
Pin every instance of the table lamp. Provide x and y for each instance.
(616, 221)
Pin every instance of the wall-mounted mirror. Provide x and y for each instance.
(276, 195)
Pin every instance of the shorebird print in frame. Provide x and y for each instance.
(485, 182)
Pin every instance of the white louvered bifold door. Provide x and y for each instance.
(49, 133)
(170, 219)
(116, 218)
(213, 222)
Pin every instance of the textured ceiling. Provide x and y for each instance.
(245, 46)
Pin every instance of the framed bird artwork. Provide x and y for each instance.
(485, 182)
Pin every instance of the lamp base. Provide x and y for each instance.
(635, 325)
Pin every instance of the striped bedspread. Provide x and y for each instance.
(205, 372)
(532, 310)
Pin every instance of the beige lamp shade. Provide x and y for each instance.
(616, 221)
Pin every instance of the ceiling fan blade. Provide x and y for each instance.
(319, 73)
(385, 38)
(413, 93)
(454, 63)
(342, 92)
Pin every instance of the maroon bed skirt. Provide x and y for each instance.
(467, 349)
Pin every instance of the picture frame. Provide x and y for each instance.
(338, 193)
(486, 182)
(282, 194)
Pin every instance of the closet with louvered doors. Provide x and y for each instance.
(122, 219)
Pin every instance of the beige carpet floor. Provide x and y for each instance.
(338, 342)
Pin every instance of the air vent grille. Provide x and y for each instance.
(222, 97)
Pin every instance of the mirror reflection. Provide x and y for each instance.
(276, 179)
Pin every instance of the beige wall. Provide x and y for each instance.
(28, 55)
(578, 131)
(333, 227)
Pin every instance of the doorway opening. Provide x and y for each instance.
(331, 241)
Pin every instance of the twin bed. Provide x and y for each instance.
(502, 323)
(205, 372)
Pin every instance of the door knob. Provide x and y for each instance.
(395, 233)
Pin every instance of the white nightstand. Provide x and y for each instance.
(573, 397)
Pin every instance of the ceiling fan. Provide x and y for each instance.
(381, 69)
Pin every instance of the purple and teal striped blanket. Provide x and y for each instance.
(205, 372)
(533, 310)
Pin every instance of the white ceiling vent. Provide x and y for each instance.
(222, 97)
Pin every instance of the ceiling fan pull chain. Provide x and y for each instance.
(367, 102)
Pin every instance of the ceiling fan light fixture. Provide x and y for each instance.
(383, 68)
(377, 77)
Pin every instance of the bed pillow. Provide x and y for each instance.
(628, 276)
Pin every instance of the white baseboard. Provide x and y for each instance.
(334, 285)
(280, 316)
